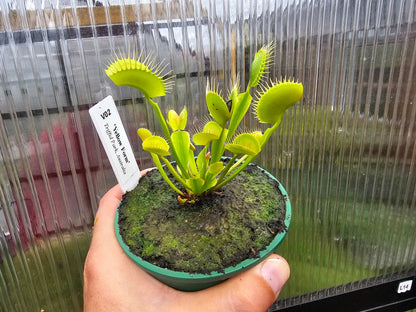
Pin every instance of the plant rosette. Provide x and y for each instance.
(202, 183)
(208, 243)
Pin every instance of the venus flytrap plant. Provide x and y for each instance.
(205, 172)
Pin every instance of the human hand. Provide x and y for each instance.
(113, 282)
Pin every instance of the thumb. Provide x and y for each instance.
(253, 290)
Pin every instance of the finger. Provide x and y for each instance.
(253, 290)
(104, 219)
(108, 205)
(103, 238)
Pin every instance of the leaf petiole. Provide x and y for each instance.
(163, 173)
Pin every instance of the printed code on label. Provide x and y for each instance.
(404, 286)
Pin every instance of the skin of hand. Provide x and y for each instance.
(113, 282)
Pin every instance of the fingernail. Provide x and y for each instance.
(276, 273)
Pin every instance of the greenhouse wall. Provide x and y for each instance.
(346, 153)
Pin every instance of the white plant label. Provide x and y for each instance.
(108, 124)
(405, 286)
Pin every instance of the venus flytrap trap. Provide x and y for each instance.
(204, 172)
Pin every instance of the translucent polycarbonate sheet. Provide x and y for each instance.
(345, 153)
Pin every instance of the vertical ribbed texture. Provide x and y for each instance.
(346, 153)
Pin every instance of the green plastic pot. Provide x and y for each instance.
(193, 282)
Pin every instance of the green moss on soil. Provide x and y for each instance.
(218, 231)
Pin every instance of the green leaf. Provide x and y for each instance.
(191, 162)
(257, 68)
(245, 143)
(215, 168)
(217, 147)
(177, 122)
(240, 107)
(213, 127)
(238, 149)
(173, 119)
(134, 73)
(217, 108)
(181, 142)
(258, 135)
(275, 100)
(156, 160)
(210, 181)
(203, 138)
(259, 65)
(233, 98)
(157, 145)
(183, 118)
(202, 161)
(143, 133)
(212, 131)
(195, 185)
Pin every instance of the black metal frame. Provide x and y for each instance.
(382, 297)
